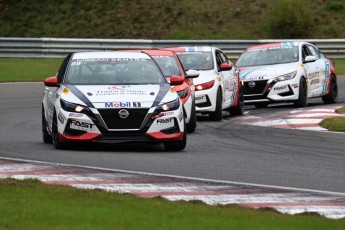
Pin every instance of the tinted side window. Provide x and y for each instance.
(313, 51)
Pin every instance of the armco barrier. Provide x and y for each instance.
(60, 47)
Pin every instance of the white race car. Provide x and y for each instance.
(218, 86)
(287, 72)
(112, 97)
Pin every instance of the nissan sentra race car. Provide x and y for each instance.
(170, 65)
(287, 72)
(112, 97)
(218, 86)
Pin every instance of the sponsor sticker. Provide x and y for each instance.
(61, 118)
(125, 104)
(280, 88)
(165, 121)
(295, 85)
(168, 113)
(200, 99)
(75, 115)
(80, 125)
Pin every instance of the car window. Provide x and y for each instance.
(305, 52)
(313, 51)
(109, 71)
(196, 60)
(268, 56)
(168, 65)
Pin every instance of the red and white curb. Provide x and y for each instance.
(305, 118)
(284, 200)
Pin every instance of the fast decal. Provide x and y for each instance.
(280, 88)
(80, 125)
(201, 98)
(164, 121)
(80, 95)
(61, 118)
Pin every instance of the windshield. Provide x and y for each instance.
(268, 56)
(168, 65)
(113, 71)
(196, 60)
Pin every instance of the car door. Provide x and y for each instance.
(228, 79)
(314, 71)
(321, 71)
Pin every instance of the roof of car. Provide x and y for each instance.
(90, 55)
(277, 44)
(190, 48)
(154, 52)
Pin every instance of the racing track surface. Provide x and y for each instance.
(223, 150)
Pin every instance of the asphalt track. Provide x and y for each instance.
(217, 150)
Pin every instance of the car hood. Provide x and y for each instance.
(117, 96)
(267, 71)
(205, 76)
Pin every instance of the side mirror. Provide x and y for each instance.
(192, 73)
(310, 59)
(176, 80)
(225, 66)
(51, 82)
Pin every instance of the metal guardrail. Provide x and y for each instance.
(60, 47)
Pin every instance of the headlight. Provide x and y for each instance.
(286, 76)
(71, 107)
(172, 105)
(183, 93)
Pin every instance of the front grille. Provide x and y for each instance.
(113, 121)
(257, 89)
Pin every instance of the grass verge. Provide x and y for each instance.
(37, 69)
(336, 124)
(29, 204)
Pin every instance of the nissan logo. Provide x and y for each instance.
(251, 84)
(123, 113)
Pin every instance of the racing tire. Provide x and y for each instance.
(176, 145)
(302, 100)
(238, 110)
(217, 115)
(55, 135)
(192, 121)
(261, 105)
(332, 95)
(47, 138)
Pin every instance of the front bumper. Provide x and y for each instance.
(78, 127)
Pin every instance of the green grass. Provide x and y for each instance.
(28, 69)
(29, 204)
(336, 124)
(37, 69)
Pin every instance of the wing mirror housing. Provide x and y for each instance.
(310, 59)
(51, 82)
(176, 80)
(225, 66)
(192, 73)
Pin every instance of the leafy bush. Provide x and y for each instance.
(290, 19)
(335, 6)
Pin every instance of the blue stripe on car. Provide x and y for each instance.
(327, 75)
